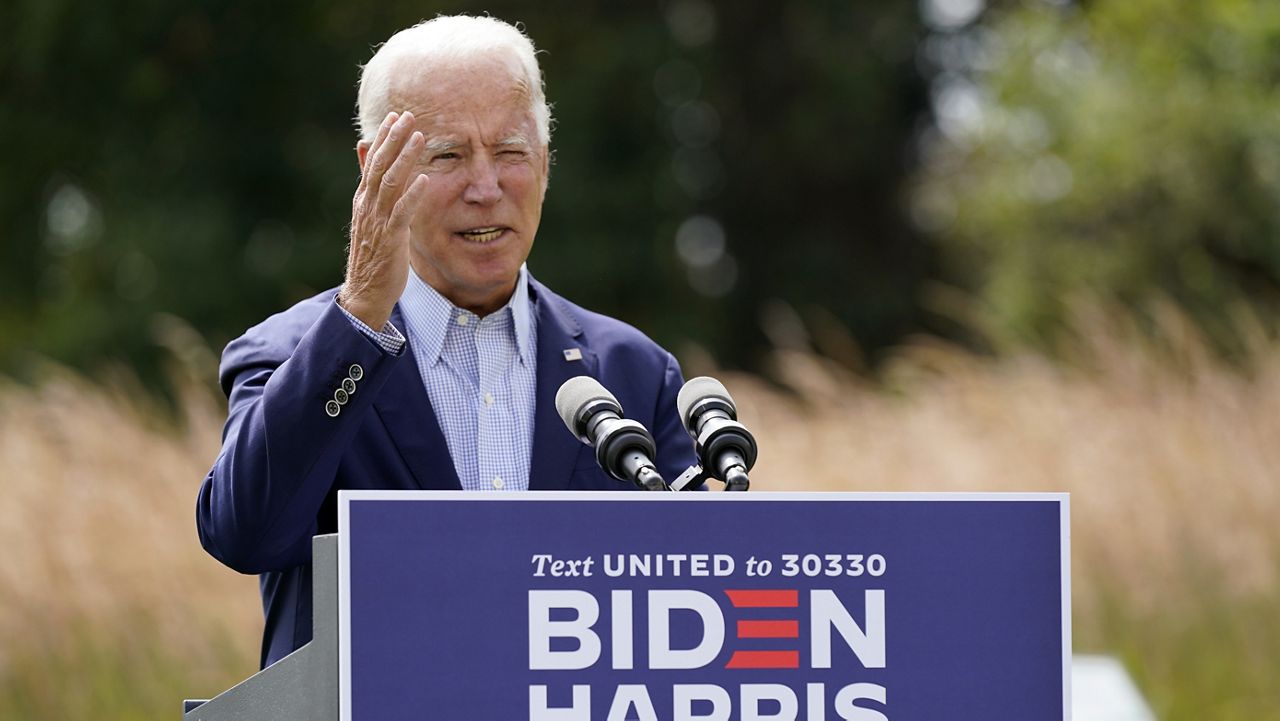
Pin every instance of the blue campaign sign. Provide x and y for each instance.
(554, 606)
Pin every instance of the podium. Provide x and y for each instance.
(562, 606)
(304, 684)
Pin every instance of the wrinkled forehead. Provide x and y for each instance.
(438, 86)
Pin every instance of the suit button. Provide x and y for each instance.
(355, 372)
(349, 386)
(341, 397)
(332, 408)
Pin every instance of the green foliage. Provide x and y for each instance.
(168, 163)
(1215, 657)
(123, 673)
(1120, 147)
(196, 159)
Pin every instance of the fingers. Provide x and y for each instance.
(378, 138)
(391, 189)
(402, 213)
(383, 154)
(400, 174)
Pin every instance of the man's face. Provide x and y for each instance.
(487, 176)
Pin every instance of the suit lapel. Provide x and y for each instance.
(406, 411)
(555, 449)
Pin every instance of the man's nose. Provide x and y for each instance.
(483, 187)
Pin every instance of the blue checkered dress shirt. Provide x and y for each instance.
(480, 374)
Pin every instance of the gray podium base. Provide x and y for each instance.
(302, 686)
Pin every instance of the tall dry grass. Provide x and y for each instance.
(109, 608)
(1169, 455)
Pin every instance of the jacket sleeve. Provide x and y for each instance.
(282, 443)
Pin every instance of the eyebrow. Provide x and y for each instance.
(442, 146)
(435, 147)
(513, 140)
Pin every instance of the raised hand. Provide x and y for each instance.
(381, 213)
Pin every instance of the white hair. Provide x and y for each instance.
(448, 37)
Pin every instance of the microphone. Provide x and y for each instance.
(726, 449)
(624, 448)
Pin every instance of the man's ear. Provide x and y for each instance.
(362, 150)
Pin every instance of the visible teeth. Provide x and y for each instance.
(482, 235)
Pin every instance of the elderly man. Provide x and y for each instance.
(436, 363)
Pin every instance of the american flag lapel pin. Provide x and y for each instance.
(572, 354)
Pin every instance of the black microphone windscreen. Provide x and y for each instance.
(697, 390)
(576, 393)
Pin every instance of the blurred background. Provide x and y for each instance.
(937, 245)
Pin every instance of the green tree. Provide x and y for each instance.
(1119, 147)
(195, 160)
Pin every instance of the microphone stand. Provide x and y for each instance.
(736, 479)
(694, 476)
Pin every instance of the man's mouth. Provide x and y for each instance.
(482, 235)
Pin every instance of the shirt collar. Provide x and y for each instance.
(428, 314)
(522, 316)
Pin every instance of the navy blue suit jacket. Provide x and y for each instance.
(274, 485)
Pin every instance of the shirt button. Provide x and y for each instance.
(488, 399)
(462, 320)
(497, 482)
